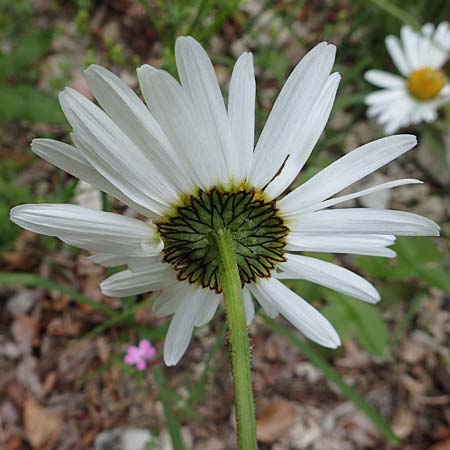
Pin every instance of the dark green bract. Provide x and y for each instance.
(257, 229)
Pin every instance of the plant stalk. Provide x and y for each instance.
(238, 339)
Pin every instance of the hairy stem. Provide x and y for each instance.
(238, 338)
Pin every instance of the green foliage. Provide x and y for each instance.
(351, 317)
(83, 16)
(11, 193)
(27, 49)
(168, 398)
(21, 99)
(116, 52)
(418, 259)
(25, 102)
(356, 318)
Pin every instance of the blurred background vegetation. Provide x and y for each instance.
(44, 46)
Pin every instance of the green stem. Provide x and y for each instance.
(237, 332)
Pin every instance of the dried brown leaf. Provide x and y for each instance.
(42, 426)
(274, 420)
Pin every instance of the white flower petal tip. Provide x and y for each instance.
(95, 69)
(296, 310)
(345, 171)
(187, 313)
(329, 275)
(126, 283)
(153, 246)
(356, 221)
(333, 342)
(147, 69)
(285, 128)
(170, 361)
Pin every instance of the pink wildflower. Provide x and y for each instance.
(140, 355)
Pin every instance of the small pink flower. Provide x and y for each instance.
(140, 355)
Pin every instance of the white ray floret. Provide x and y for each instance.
(153, 156)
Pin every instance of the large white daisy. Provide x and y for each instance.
(423, 87)
(188, 165)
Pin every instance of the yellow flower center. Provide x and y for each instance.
(426, 83)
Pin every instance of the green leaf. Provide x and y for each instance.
(198, 389)
(397, 12)
(28, 103)
(334, 377)
(27, 50)
(416, 258)
(165, 395)
(422, 259)
(356, 318)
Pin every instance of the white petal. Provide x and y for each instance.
(143, 263)
(328, 275)
(345, 171)
(126, 283)
(307, 138)
(355, 244)
(207, 309)
(394, 114)
(127, 110)
(398, 57)
(266, 302)
(442, 33)
(108, 260)
(90, 229)
(170, 299)
(200, 83)
(72, 161)
(248, 306)
(410, 42)
(385, 96)
(384, 79)
(173, 110)
(365, 221)
(441, 44)
(241, 112)
(299, 312)
(290, 112)
(368, 191)
(425, 46)
(114, 155)
(182, 325)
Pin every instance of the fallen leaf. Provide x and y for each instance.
(27, 375)
(24, 330)
(42, 426)
(23, 301)
(443, 445)
(403, 423)
(14, 443)
(64, 327)
(274, 420)
(103, 349)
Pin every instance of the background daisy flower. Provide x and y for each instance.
(423, 87)
(188, 164)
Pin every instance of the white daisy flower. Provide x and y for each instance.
(423, 87)
(187, 164)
